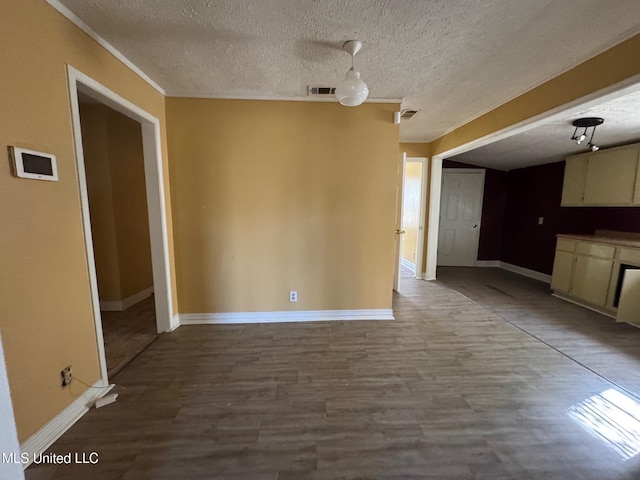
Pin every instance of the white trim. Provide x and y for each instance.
(285, 316)
(151, 144)
(58, 425)
(9, 436)
(175, 322)
(78, 22)
(407, 264)
(423, 211)
(122, 305)
(543, 277)
(488, 263)
(584, 305)
(434, 217)
(399, 220)
(525, 272)
(216, 96)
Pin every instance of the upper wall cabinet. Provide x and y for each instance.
(607, 178)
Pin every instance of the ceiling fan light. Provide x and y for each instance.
(352, 91)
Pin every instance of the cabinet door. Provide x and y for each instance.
(575, 172)
(611, 177)
(591, 278)
(562, 269)
(629, 306)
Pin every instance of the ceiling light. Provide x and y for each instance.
(352, 91)
(586, 123)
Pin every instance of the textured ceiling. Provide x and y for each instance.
(450, 59)
(551, 142)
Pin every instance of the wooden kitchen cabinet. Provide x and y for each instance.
(575, 173)
(591, 279)
(629, 306)
(606, 177)
(611, 177)
(563, 265)
(601, 272)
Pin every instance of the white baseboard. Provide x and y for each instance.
(407, 264)
(488, 263)
(525, 272)
(543, 277)
(122, 305)
(286, 316)
(175, 322)
(58, 425)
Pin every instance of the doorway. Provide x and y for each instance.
(114, 170)
(412, 210)
(460, 216)
(154, 184)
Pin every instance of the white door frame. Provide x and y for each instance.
(477, 171)
(399, 210)
(421, 215)
(151, 145)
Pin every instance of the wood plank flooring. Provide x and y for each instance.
(449, 390)
(128, 333)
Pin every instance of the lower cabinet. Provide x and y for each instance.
(582, 270)
(591, 279)
(562, 271)
(629, 306)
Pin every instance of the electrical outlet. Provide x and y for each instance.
(65, 376)
(293, 296)
(540, 220)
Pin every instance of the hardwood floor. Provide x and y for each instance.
(449, 390)
(598, 342)
(128, 333)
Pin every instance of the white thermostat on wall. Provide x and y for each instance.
(32, 164)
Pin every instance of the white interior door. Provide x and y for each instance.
(460, 216)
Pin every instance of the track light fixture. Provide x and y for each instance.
(586, 123)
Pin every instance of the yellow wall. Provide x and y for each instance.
(276, 196)
(46, 314)
(411, 209)
(613, 66)
(117, 195)
(416, 149)
(103, 226)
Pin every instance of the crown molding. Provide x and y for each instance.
(78, 22)
(328, 99)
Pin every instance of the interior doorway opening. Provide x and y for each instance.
(90, 90)
(412, 210)
(114, 169)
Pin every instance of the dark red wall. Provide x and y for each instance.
(493, 206)
(514, 200)
(536, 192)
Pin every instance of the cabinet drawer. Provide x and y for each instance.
(566, 245)
(596, 250)
(630, 255)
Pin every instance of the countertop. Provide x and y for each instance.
(624, 239)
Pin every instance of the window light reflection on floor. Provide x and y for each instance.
(614, 418)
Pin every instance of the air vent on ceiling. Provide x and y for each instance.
(318, 91)
(407, 114)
